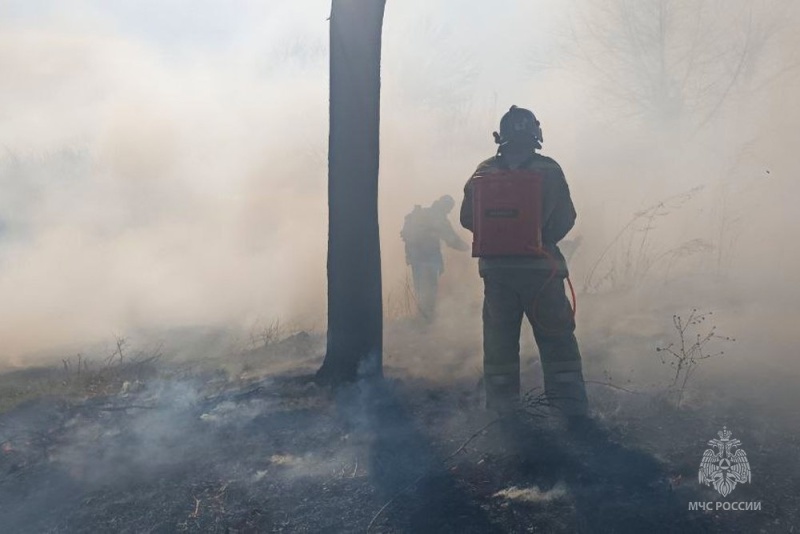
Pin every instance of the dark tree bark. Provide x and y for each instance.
(355, 311)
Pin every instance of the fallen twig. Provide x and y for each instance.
(474, 436)
(613, 386)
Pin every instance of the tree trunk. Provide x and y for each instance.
(355, 312)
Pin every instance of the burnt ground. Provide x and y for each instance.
(153, 446)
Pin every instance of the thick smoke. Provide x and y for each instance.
(166, 167)
(151, 182)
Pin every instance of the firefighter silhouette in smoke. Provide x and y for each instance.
(518, 206)
(423, 231)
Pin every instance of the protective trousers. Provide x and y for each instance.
(426, 286)
(507, 296)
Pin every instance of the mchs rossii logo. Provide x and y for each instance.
(723, 467)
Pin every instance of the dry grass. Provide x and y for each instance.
(401, 303)
(79, 377)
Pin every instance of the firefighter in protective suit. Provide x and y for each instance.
(423, 231)
(529, 285)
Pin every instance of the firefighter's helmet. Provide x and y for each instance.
(519, 125)
(444, 203)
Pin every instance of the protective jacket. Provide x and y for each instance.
(423, 231)
(558, 215)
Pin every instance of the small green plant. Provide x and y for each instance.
(694, 336)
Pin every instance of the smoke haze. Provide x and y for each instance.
(164, 165)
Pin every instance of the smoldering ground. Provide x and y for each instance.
(168, 447)
(158, 168)
(164, 174)
(199, 452)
